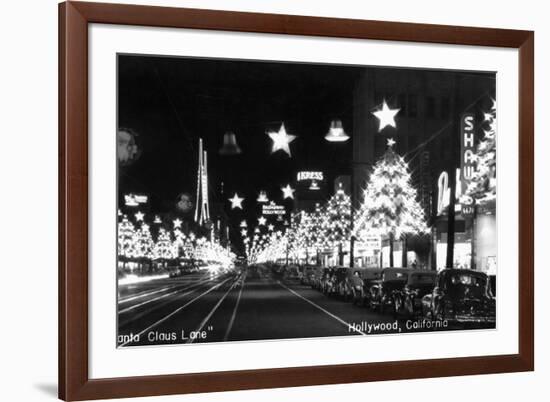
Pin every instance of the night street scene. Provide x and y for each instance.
(263, 200)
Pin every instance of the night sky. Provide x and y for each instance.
(171, 102)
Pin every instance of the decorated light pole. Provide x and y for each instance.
(126, 233)
(337, 221)
(143, 245)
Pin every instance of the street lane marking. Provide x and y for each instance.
(232, 320)
(347, 324)
(146, 293)
(207, 318)
(163, 296)
(150, 327)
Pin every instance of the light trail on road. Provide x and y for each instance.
(196, 284)
(146, 293)
(150, 327)
(211, 313)
(234, 314)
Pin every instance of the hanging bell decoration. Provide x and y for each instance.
(262, 197)
(336, 132)
(230, 146)
(314, 186)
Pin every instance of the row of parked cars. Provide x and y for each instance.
(460, 295)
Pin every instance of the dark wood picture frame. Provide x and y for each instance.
(74, 382)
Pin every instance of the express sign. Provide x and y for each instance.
(310, 176)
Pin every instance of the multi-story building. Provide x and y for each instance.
(427, 134)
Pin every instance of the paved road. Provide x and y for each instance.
(237, 306)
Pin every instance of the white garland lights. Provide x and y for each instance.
(139, 246)
(390, 206)
(482, 185)
(389, 209)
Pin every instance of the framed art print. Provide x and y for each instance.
(255, 201)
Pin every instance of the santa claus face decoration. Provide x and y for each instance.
(127, 149)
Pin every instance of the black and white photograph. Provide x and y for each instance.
(271, 200)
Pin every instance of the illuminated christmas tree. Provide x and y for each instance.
(143, 243)
(126, 232)
(336, 225)
(482, 185)
(125, 241)
(164, 248)
(318, 239)
(298, 236)
(390, 207)
(308, 233)
(183, 245)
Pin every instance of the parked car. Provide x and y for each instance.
(327, 280)
(493, 285)
(291, 272)
(308, 273)
(318, 276)
(460, 295)
(419, 283)
(383, 292)
(341, 285)
(361, 283)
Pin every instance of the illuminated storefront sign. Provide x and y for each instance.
(468, 208)
(301, 176)
(444, 192)
(133, 200)
(273, 209)
(467, 149)
(463, 174)
(370, 243)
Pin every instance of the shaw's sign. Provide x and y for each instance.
(463, 174)
(467, 149)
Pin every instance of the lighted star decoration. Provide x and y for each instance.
(494, 107)
(281, 140)
(177, 223)
(270, 227)
(288, 192)
(236, 201)
(243, 232)
(262, 221)
(139, 216)
(386, 116)
(391, 142)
